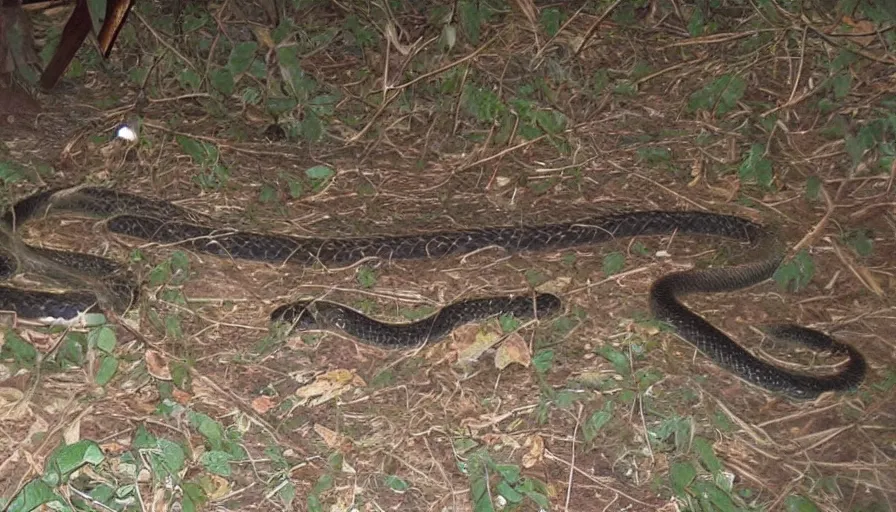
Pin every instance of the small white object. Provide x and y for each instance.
(125, 132)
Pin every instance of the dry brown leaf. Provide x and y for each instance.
(114, 448)
(861, 27)
(513, 350)
(10, 396)
(483, 341)
(182, 397)
(534, 445)
(159, 500)
(72, 432)
(263, 35)
(263, 404)
(216, 487)
(328, 386)
(330, 437)
(12, 405)
(556, 286)
(157, 365)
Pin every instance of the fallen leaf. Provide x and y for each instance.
(157, 365)
(331, 438)
(513, 350)
(328, 386)
(263, 35)
(483, 341)
(556, 286)
(861, 27)
(72, 432)
(262, 404)
(159, 501)
(535, 454)
(114, 448)
(215, 486)
(10, 396)
(182, 397)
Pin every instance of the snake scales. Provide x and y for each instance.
(112, 287)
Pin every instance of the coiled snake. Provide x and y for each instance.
(114, 289)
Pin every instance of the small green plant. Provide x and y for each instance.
(720, 96)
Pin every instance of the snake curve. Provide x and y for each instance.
(112, 287)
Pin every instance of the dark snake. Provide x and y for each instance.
(103, 283)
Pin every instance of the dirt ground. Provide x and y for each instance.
(347, 425)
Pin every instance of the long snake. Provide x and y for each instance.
(99, 281)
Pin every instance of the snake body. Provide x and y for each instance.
(318, 314)
(163, 222)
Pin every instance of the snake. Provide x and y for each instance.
(103, 283)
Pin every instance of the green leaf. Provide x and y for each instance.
(319, 173)
(194, 497)
(193, 22)
(33, 495)
(682, 474)
(210, 429)
(696, 22)
(654, 154)
(713, 498)
(180, 375)
(707, 457)
(300, 86)
(189, 79)
(618, 359)
(296, 189)
(168, 458)
(173, 328)
(396, 484)
(535, 278)
(97, 11)
(508, 323)
(312, 128)
(323, 484)
(197, 150)
(543, 360)
(268, 193)
(22, 352)
(287, 493)
(102, 338)
(841, 85)
(241, 57)
(756, 168)
(216, 462)
(613, 263)
(366, 277)
(222, 80)
(508, 492)
(860, 242)
(599, 81)
(143, 439)
(479, 484)
(105, 372)
(721, 95)
(470, 19)
(67, 458)
(551, 19)
(509, 472)
(277, 106)
(813, 188)
(796, 273)
(597, 421)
